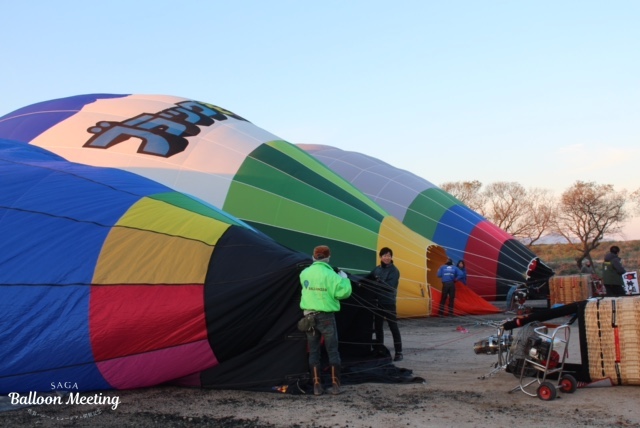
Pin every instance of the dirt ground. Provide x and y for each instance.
(456, 393)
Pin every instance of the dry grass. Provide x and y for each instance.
(562, 257)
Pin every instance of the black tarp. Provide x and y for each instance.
(252, 309)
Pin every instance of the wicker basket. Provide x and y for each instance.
(569, 289)
(612, 327)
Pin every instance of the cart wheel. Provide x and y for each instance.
(546, 391)
(568, 384)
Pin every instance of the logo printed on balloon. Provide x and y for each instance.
(163, 133)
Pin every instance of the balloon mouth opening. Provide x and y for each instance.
(537, 270)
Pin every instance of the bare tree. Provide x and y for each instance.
(467, 192)
(526, 214)
(506, 206)
(635, 198)
(587, 212)
(542, 215)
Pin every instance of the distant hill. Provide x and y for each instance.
(562, 257)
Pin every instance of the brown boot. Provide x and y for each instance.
(317, 380)
(335, 380)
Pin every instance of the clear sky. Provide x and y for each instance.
(542, 92)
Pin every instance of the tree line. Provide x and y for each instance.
(582, 215)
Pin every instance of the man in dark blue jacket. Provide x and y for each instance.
(449, 275)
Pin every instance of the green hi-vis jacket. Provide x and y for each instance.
(322, 288)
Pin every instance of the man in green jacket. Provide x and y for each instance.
(322, 290)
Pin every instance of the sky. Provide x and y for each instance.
(542, 93)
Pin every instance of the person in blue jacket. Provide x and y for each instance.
(449, 274)
(460, 265)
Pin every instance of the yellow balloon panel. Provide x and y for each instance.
(417, 258)
(131, 256)
(174, 221)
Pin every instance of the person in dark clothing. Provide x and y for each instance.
(449, 275)
(595, 282)
(387, 276)
(612, 271)
(463, 269)
(587, 267)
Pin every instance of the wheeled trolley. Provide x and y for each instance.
(545, 356)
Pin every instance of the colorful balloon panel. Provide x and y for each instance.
(304, 204)
(227, 162)
(37, 118)
(130, 246)
(166, 332)
(429, 206)
(219, 157)
(51, 236)
(170, 341)
(494, 259)
(57, 320)
(485, 247)
(110, 280)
